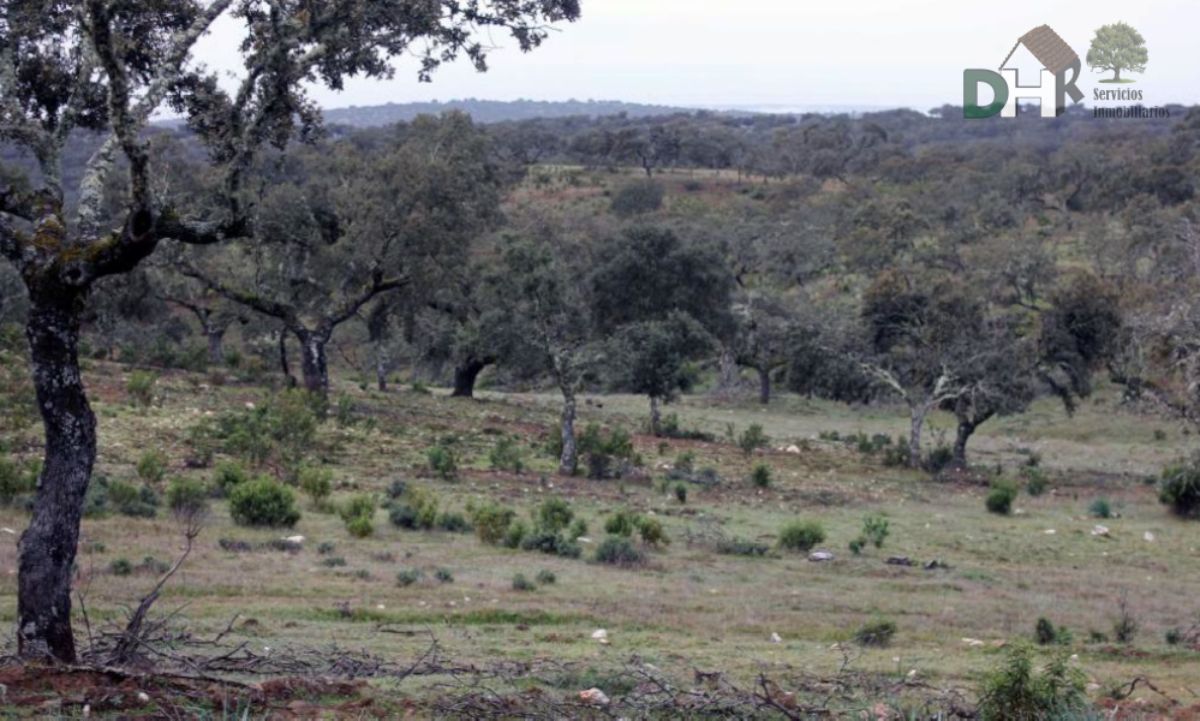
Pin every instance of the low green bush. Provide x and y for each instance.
(760, 477)
(506, 455)
(1016, 692)
(152, 466)
(876, 633)
(187, 497)
(1000, 498)
(442, 462)
(317, 484)
(1179, 488)
(801, 536)
(140, 388)
(618, 551)
(263, 502)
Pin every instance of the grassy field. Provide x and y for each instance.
(689, 608)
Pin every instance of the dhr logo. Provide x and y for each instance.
(1060, 71)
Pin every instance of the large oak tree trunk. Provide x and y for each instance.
(727, 374)
(47, 547)
(568, 461)
(314, 365)
(284, 366)
(961, 436)
(655, 417)
(764, 385)
(465, 375)
(916, 423)
(216, 346)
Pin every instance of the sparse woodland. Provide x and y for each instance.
(638, 415)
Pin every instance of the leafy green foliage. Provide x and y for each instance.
(752, 439)
(140, 387)
(875, 633)
(760, 477)
(152, 466)
(15, 480)
(263, 502)
(1179, 488)
(491, 522)
(801, 536)
(1000, 498)
(317, 483)
(637, 197)
(443, 462)
(187, 497)
(228, 476)
(506, 455)
(521, 583)
(618, 551)
(1016, 692)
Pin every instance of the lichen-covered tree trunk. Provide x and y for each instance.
(314, 366)
(216, 346)
(764, 385)
(381, 368)
(655, 417)
(916, 424)
(47, 547)
(284, 366)
(727, 374)
(569, 458)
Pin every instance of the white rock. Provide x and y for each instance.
(593, 696)
(9, 531)
(1099, 530)
(294, 539)
(143, 697)
(972, 642)
(1050, 531)
(380, 606)
(600, 635)
(793, 449)
(819, 556)
(1148, 536)
(776, 638)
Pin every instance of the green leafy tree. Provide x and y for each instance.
(108, 68)
(1118, 47)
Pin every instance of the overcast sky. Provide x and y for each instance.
(795, 53)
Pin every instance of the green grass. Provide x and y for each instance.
(689, 607)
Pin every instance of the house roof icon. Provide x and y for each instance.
(1050, 50)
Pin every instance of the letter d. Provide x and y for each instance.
(971, 81)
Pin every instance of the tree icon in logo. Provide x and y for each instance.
(1118, 47)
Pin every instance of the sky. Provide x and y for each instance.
(783, 54)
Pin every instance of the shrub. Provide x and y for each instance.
(317, 484)
(187, 497)
(333, 562)
(876, 530)
(741, 547)
(1100, 508)
(442, 462)
(263, 502)
(939, 459)
(546, 577)
(622, 523)
(491, 522)
(547, 542)
(14, 481)
(152, 466)
(140, 387)
(325, 548)
(453, 522)
(121, 567)
(752, 439)
(360, 526)
(520, 583)
(876, 633)
(130, 500)
(681, 493)
(760, 477)
(292, 418)
(202, 445)
(409, 576)
(360, 506)
(637, 197)
(506, 456)
(898, 454)
(801, 536)
(618, 551)
(1126, 626)
(514, 535)
(1036, 481)
(417, 511)
(1015, 692)
(1180, 488)
(228, 476)
(578, 529)
(554, 515)
(685, 462)
(396, 489)
(1046, 633)
(443, 575)
(652, 532)
(1000, 498)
